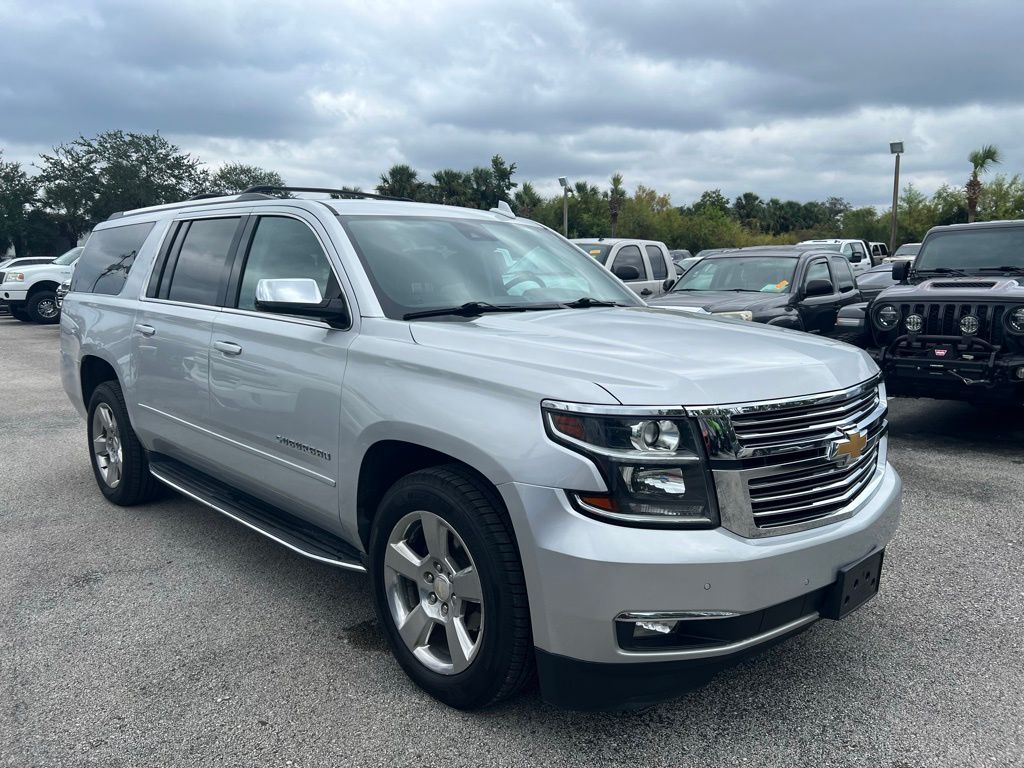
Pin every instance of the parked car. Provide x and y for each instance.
(679, 254)
(643, 265)
(906, 252)
(953, 328)
(25, 261)
(559, 478)
(855, 251)
(683, 265)
(879, 252)
(874, 281)
(30, 292)
(785, 286)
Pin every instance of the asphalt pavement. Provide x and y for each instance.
(169, 635)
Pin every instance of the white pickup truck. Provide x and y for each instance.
(30, 292)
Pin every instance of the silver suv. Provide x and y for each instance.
(537, 471)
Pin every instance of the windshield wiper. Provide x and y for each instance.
(941, 271)
(1009, 269)
(586, 301)
(474, 308)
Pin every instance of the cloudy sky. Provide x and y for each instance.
(791, 99)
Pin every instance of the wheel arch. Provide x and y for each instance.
(93, 371)
(42, 285)
(387, 461)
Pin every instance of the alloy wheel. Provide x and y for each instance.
(106, 445)
(47, 309)
(434, 593)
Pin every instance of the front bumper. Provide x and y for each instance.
(12, 295)
(582, 573)
(950, 367)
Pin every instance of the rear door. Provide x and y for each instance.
(818, 313)
(171, 336)
(661, 266)
(276, 380)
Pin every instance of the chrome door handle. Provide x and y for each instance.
(145, 330)
(227, 347)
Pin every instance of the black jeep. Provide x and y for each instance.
(953, 327)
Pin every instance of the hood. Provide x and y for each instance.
(34, 269)
(721, 301)
(650, 356)
(968, 289)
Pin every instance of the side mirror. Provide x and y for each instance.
(300, 297)
(818, 288)
(856, 257)
(626, 272)
(667, 285)
(900, 271)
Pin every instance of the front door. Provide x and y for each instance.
(818, 313)
(276, 380)
(630, 256)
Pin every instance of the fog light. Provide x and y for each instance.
(969, 325)
(654, 627)
(914, 323)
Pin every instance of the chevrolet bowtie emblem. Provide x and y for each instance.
(851, 447)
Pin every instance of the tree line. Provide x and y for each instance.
(82, 182)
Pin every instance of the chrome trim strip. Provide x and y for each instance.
(263, 454)
(724, 650)
(616, 410)
(195, 497)
(635, 616)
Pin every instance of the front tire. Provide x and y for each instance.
(18, 313)
(449, 589)
(42, 308)
(119, 461)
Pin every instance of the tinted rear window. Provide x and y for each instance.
(201, 269)
(596, 250)
(108, 258)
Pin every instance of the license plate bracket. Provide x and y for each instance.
(856, 584)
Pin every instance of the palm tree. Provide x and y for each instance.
(980, 159)
(616, 199)
(401, 180)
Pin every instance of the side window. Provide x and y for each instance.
(657, 259)
(283, 248)
(844, 275)
(845, 249)
(200, 271)
(629, 256)
(819, 271)
(108, 257)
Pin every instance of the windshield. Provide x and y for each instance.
(68, 258)
(764, 274)
(973, 249)
(416, 263)
(598, 251)
(908, 249)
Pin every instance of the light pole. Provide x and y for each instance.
(895, 148)
(565, 205)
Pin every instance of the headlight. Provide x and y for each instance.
(652, 462)
(886, 317)
(745, 314)
(1015, 320)
(15, 277)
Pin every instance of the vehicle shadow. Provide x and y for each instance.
(939, 422)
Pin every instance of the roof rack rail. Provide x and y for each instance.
(202, 199)
(267, 189)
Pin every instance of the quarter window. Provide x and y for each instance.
(200, 271)
(629, 256)
(283, 248)
(108, 257)
(657, 259)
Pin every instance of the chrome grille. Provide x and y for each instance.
(781, 426)
(777, 464)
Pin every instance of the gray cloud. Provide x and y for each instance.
(789, 99)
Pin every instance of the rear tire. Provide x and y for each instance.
(119, 461)
(42, 308)
(438, 532)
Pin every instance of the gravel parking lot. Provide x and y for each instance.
(169, 635)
